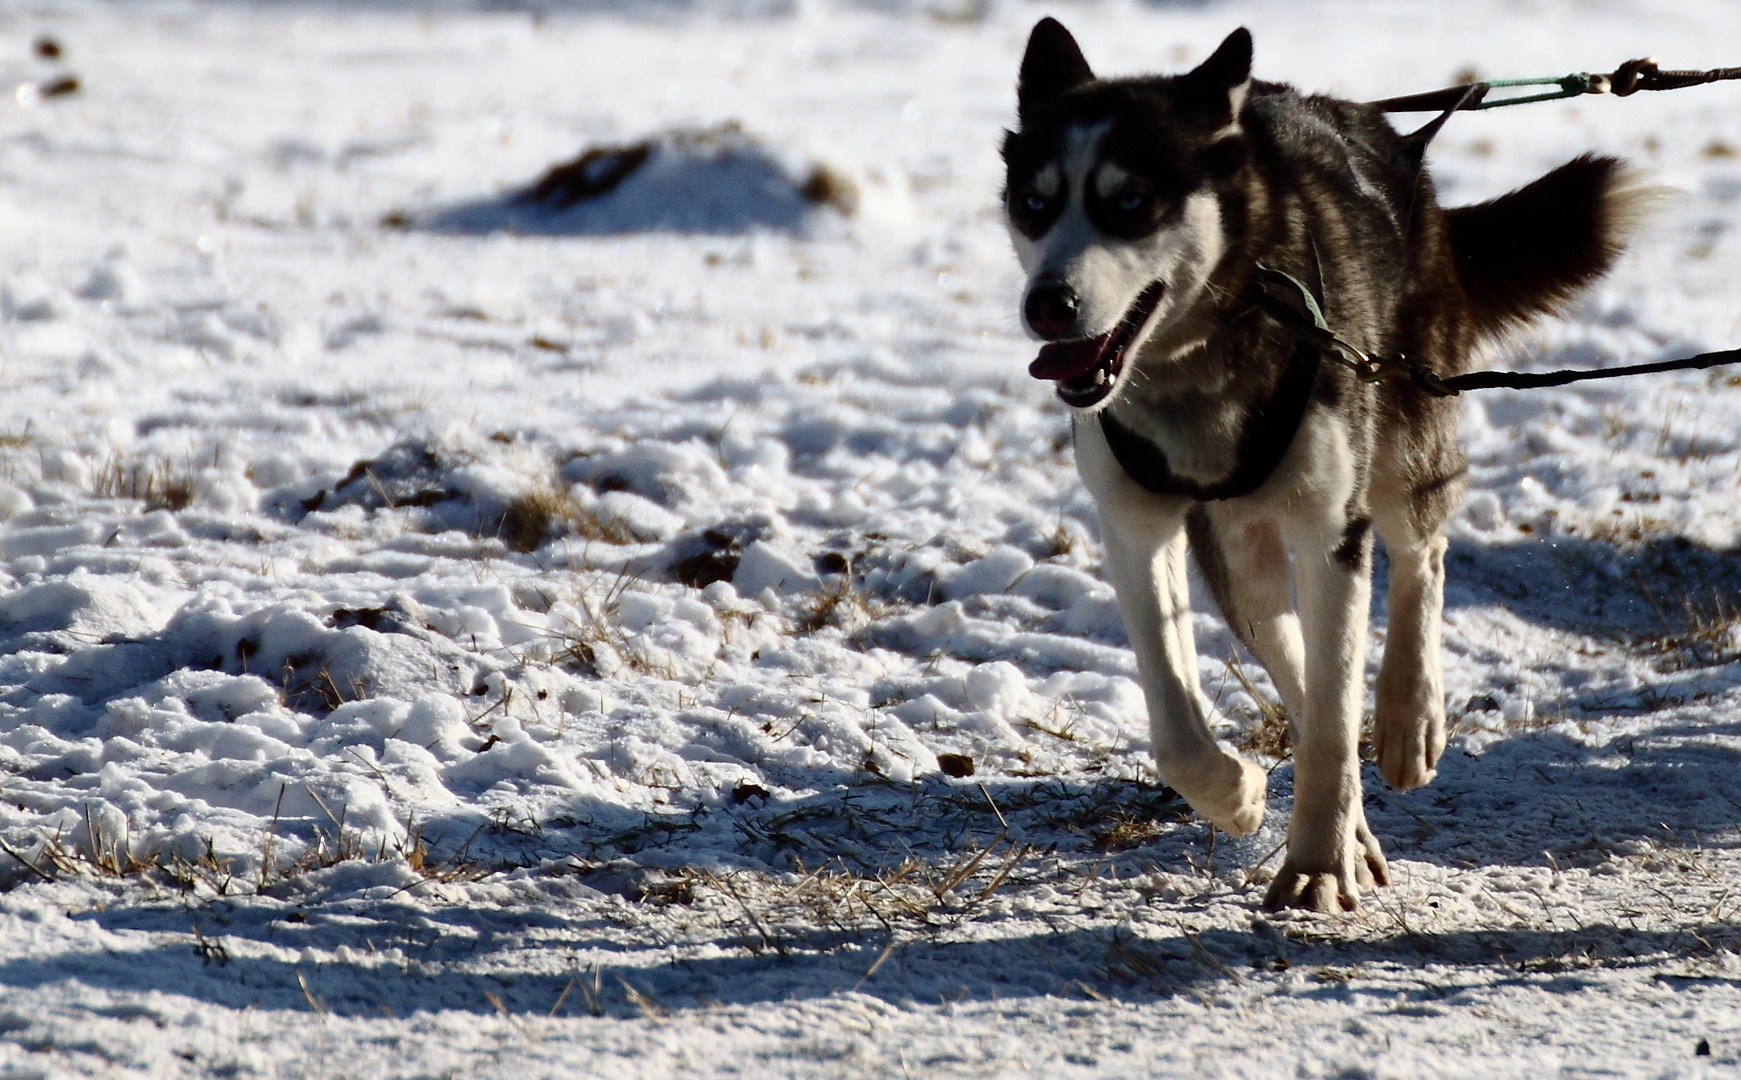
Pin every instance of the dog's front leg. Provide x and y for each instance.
(1145, 558)
(1332, 855)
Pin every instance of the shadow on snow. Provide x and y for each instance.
(1529, 794)
(1109, 962)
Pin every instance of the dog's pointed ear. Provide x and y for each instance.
(1052, 65)
(1229, 65)
(1225, 76)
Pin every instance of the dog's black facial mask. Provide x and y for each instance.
(1169, 134)
(1052, 65)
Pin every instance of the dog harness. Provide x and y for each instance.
(1268, 430)
(1267, 433)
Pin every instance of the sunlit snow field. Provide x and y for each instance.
(446, 634)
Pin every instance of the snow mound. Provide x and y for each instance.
(686, 180)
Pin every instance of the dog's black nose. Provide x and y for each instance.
(1051, 311)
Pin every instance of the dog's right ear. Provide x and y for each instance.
(1052, 65)
(1221, 82)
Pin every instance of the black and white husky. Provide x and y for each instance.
(1142, 210)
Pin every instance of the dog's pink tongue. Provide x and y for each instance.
(1067, 359)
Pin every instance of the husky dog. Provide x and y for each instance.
(1142, 211)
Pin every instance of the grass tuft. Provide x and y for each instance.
(1127, 830)
(1698, 630)
(839, 603)
(152, 481)
(543, 511)
(596, 644)
(1269, 733)
(827, 187)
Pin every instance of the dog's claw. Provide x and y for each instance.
(1328, 890)
(1309, 892)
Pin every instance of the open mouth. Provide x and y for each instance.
(1087, 369)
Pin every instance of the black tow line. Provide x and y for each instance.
(1307, 321)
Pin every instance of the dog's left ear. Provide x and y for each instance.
(1052, 65)
(1221, 81)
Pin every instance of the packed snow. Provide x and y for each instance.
(527, 548)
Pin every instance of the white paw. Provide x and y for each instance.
(1310, 885)
(1408, 745)
(1232, 799)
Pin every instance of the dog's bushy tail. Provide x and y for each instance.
(1527, 253)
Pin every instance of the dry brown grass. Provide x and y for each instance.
(1621, 529)
(828, 187)
(1060, 720)
(347, 844)
(597, 644)
(1062, 540)
(306, 682)
(1127, 830)
(102, 855)
(770, 912)
(838, 603)
(152, 481)
(543, 512)
(18, 440)
(959, 12)
(1268, 734)
(105, 856)
(1698, 630)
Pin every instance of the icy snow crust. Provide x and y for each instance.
(526, 646)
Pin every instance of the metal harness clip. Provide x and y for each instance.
(1315, 328)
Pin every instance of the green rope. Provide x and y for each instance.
(1569, 86)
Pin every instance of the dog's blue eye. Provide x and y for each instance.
(1034, 202)
(1130, 202)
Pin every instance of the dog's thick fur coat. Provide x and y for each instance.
(1141, 209)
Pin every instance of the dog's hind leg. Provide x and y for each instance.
(1332, 855)
(1409, 721)
(1145, 559)
(1246, 567)
(1418, 476)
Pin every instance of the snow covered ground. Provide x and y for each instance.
(446, 634)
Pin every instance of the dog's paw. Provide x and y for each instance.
(1362, 868)
(1408, 748)
(1234, 806)
(1322, 892)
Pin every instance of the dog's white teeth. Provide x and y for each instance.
(1099, 377)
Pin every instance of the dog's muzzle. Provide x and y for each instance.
(1085, 370)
